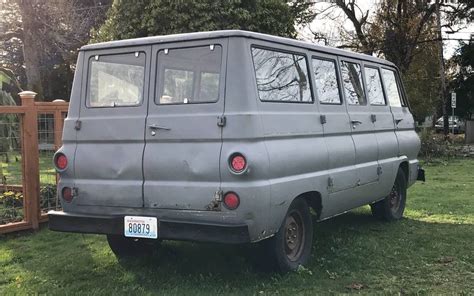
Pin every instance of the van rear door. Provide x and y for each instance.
(183, 132)
(110, 137)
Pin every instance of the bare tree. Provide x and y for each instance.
(396, 27)
(50, 32)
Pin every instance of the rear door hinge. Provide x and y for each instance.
(77, 125)
(330, 182)
(323, 119)
(379, 170)
(221, 121)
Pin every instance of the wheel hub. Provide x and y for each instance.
(395, 199)
(294, 236)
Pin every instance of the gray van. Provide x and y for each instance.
(230, 137)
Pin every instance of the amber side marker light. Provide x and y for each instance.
(231, 200)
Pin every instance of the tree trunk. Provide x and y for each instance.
(31, 47)
(442, 76)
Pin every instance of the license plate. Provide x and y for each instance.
(142, 227)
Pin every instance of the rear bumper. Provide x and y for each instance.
(167, 229)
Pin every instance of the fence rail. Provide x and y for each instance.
(29, 136)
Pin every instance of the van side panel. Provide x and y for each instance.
(294, 140)
(243, 133)
(342, 172)
(409, 143)
(69, 132)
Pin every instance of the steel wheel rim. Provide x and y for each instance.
(395, 198)
(294, 236)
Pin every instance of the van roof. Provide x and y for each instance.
(232, 33)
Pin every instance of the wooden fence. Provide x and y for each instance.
(29, 136)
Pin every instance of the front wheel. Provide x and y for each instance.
(124, 247)
(391, 208)
(291, 246)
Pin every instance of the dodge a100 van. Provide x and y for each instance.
(230, 137)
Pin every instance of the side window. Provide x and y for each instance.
(116, 80)
(374, 86)
(281, 77)
(391, 88)
(325, 76)
(189, 75)
(352, 80)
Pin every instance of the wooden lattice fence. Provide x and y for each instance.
(29, 136)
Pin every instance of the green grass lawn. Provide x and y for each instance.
(431, 251)
(11, 170)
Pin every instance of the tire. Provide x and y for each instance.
(126, 247)
(291, 245)
(391, 208)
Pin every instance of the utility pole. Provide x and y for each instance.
(442, 91)
(442, 76)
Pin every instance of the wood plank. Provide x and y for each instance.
(30, 159)
(12, 109)
(16, 226)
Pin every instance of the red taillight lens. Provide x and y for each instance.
(231, 200)
(238, 163)
(67, 194)
(60, 161)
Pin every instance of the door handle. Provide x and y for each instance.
(355, 123)
(156, 127)
(397, 121)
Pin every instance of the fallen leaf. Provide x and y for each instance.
(446, 259)
(355, 286)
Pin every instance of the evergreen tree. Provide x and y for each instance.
(131, 19)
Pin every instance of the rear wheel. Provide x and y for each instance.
(391, 208)
(124, 247)
(291, 246)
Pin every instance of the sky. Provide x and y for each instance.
(331, 21)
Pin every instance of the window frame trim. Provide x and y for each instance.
(88, 77)
(269, 48)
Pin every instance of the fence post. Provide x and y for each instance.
(30, 158)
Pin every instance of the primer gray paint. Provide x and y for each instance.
(120, 168)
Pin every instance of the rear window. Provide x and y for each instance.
(281, 76)
(189, 75)
(116, 80)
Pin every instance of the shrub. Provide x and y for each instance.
(11, 199)
(434, 145)
(12, 207)
(48, 198)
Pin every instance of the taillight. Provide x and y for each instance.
(67, 194)
(231, 200)
(237, 163)
(60, 161)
